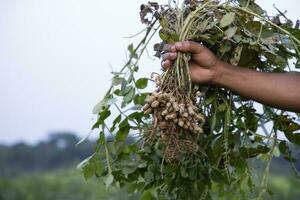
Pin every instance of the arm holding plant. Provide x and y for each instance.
(280, 90)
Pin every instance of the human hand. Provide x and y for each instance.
(203, 63)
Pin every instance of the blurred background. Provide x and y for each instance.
(55, 62)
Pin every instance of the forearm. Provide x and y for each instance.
(280, 90)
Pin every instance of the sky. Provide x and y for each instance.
(56, 57)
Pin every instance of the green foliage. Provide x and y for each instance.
(239, 32)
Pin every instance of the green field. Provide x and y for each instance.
(70, 185)
(47, 171)
(55, 185)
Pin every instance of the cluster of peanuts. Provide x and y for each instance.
(169, 110)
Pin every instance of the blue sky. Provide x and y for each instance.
(55, 57)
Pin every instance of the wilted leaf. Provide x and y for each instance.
(202, 27)
(230, 32)
(227, 19)
(249, 58)
(237, 55)
(163, 23)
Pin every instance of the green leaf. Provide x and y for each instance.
(102, 138)
(218, 176)
(139, 99)
(141, 83)
(150, 194)
(102, 105)
(117, 73)
(116, 120)
(253, 152)
(222, 107)
(88, 171)
(297, 65)
(168, 36)
(295, 32)
(132, 51)
(95, 166)
(123, 131)
(285, 124)
(84, 162)
(294, 138)
(126, 170)
(252, 6)
(99, 166)
(183, 172)
(227, 19)
(148, 176)
(117, 80)
(251, 120)
(129, 96)
(102, 117)
(230, 32)
(124, 91)
(284, 149)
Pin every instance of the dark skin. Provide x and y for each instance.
(279, 90)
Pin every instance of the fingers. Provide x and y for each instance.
(169, 56)
(167, 64)
(189, 46)
(171, 51)
(169, 48)
(168, 59)
(186, 46)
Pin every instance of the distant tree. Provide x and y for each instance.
(58, 151)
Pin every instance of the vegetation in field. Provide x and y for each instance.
(32, 180)
(64, 184)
